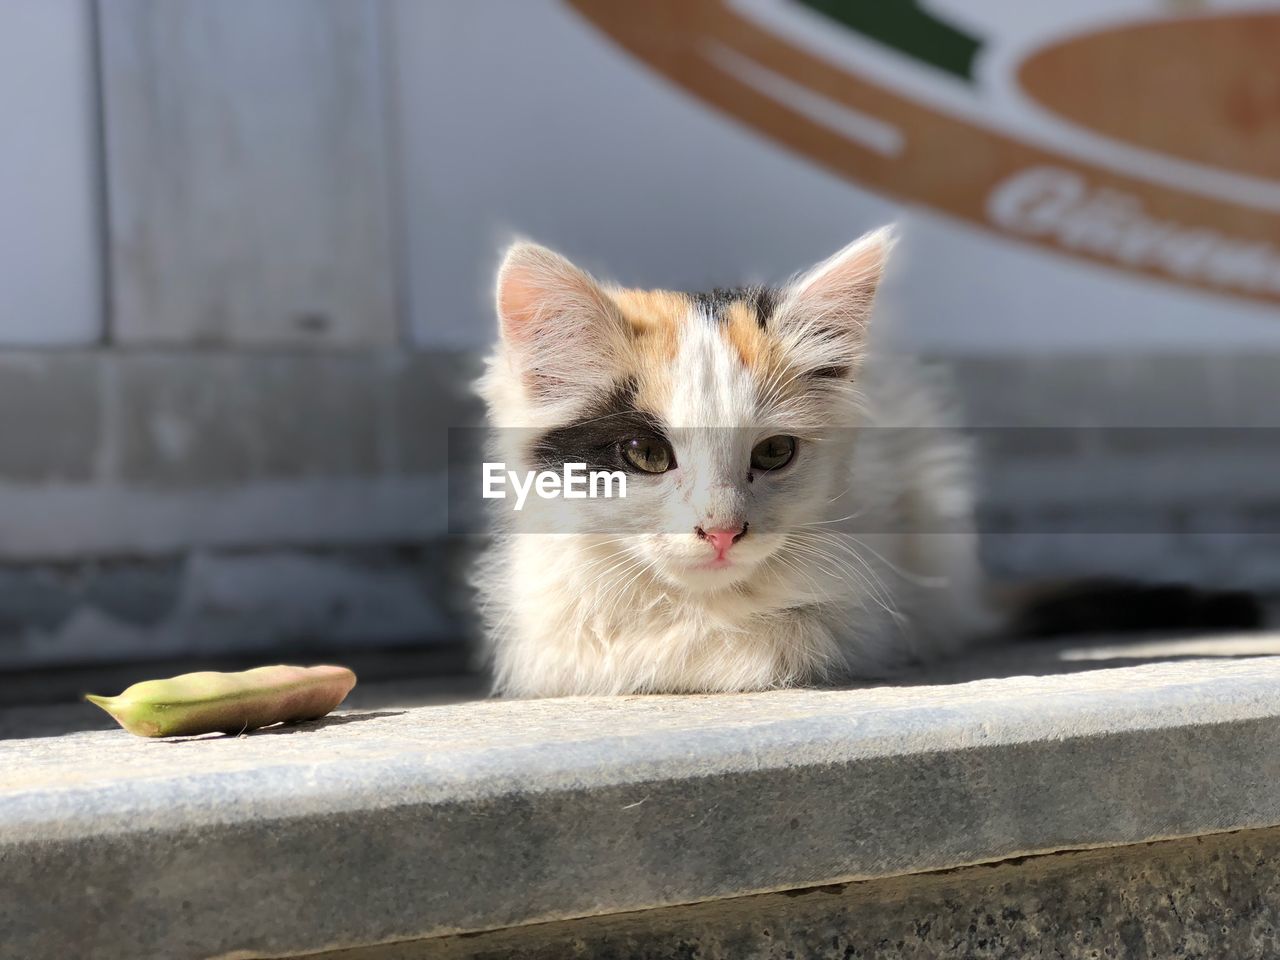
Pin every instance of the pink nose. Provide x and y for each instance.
(722, 539)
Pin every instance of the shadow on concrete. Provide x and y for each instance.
(306, 726)
(333, 720)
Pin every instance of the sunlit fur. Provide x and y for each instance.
(859, 555)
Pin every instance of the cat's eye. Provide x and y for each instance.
(650, 454)
(773, 452)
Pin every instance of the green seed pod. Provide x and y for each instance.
(207, 702)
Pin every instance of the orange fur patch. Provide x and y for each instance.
(656, 318)
(757, 349)
(743, 331)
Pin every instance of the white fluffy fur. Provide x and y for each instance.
(807, 600)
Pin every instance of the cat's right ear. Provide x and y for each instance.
(825, 313)
(560, 328)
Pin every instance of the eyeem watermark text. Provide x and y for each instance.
(574, 483)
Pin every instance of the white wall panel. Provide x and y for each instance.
(247, 172)
(50, 287)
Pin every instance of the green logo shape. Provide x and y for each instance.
(902, 25)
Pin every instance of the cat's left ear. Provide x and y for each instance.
(562, 331)
(826, 311)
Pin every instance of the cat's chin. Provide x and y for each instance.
(709, 576)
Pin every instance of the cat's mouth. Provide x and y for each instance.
(702, 573)
(717, 563)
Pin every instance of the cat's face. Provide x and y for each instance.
(730, 413)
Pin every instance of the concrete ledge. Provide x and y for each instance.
(393, 826)
(1208, 897)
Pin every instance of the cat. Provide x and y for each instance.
(797, 509)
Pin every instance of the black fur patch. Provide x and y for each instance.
(595, 439)
(761, 300)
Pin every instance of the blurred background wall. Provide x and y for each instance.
(246, 251)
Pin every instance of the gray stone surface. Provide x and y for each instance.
(196, 502)
(60, 392)
(1122, 389)
(1057, 503)
(234, 418)
(154, 452)
(384, 826)
(1206, 898)
(263, 603)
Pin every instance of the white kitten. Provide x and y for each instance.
(796, 511)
